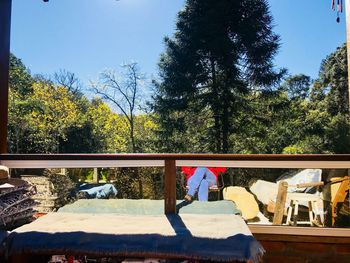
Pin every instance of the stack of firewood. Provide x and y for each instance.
(16, 203)
(53, 190)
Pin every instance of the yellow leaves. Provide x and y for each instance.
(293, 149)
(50, 115)
(150, 125)
(56, 107)
(144, 125)
(52, 110)
(109, 127)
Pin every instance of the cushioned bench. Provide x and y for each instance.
(99, 231)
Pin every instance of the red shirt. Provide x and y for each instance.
(189, 171)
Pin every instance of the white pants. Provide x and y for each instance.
(200, 182)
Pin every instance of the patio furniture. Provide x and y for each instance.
(314, 210)
(200, 232)
(340, 195)
(16, 203)
(295, 199)
(212, 189)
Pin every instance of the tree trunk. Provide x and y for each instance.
(225, 128)
(134, 150)
(215, 108)
(17, 141)
(139, 180)
(132, 136)
(226, 121)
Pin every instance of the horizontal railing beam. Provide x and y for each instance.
(160, 163)
(300, 231)
(157, 160)
(81, 163)
(267, 164)
(171, 161)
(187, 157)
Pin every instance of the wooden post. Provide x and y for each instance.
(280, 203)
(170, 187)
(5, 28)
(95, 176)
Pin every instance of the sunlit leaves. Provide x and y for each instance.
(52, 112)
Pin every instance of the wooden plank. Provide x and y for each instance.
(170, 187)
(340, 196)
(280, 203)
(336, 161)
(302, 239)
(291, 164)
(300, 231)
(187, 157)
(5, 28)
(95, 176)
(82, 163)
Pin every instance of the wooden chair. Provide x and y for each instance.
(314, 211)
(295, 199)
(340, 195)
(215, 188)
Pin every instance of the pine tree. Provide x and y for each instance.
(220, 51)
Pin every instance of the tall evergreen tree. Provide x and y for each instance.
(330, 98)
(221, 49)
(20, 83)
(323, 124)
(333, 78)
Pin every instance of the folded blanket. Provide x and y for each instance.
(98, 191)
(222, 237)
(148, 207)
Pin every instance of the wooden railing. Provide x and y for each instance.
(171, 161)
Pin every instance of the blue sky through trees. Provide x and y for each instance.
(86, 37)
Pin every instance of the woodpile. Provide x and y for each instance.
(4, 172)
(16, 204)
(244, 201)
(53, 190)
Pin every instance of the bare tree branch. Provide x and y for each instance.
(68, 80)
(122, 92)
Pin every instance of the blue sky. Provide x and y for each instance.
(88, 36)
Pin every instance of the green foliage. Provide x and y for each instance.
(42, 118)
(297, 86)
(310, 144)
(338, 134)
(89, 176)
(218, 92)
(145, 136)
(20, 83)
(220, 49)
(20, 79)
(108, 127)
(334, 81)
(52, 113)
(124, 93)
